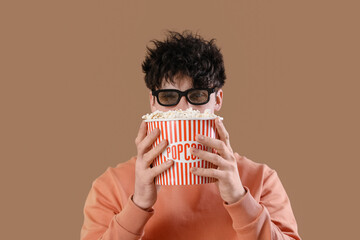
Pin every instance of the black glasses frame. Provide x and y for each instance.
(181, 94)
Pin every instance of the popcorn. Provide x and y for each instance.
(179, 114)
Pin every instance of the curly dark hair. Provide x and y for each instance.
(184, 54)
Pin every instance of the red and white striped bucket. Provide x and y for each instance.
(180, 134)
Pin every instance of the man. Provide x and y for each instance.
(247, 202)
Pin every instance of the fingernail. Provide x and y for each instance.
(194, 150)
(200, 137)
(169, 162)
(193, 169)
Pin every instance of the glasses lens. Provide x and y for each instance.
(168, 97)
(198, 96)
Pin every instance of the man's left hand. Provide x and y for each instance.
(229, 183)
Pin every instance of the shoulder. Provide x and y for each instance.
(122, 176)
(253, 174)
(111, 190)
(248, 166)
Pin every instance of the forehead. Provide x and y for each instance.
(181, 83)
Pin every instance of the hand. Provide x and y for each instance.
(145, 194)
(229, 183)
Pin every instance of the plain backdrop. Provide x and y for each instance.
(72, 95)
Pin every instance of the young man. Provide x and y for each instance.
(247, 202)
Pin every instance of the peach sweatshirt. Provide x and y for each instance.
(189, 212)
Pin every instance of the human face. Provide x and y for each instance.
(183, 84)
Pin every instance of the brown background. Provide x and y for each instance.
(72, 97)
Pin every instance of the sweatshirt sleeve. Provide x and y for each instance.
(270, 219)
(103, 220)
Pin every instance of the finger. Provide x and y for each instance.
(146, 143)
(142, 133)
(223, 134)
(210, 157)
(219, 145)
(161, 168)
(207, 172)
(153, 153)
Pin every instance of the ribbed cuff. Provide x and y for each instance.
(245, 211)
(132, 218)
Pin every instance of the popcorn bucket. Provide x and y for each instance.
(180, 134)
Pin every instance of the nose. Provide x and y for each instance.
(183, 104)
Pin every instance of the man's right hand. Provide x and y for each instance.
(145, 194)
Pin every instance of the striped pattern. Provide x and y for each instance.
(181, 136)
